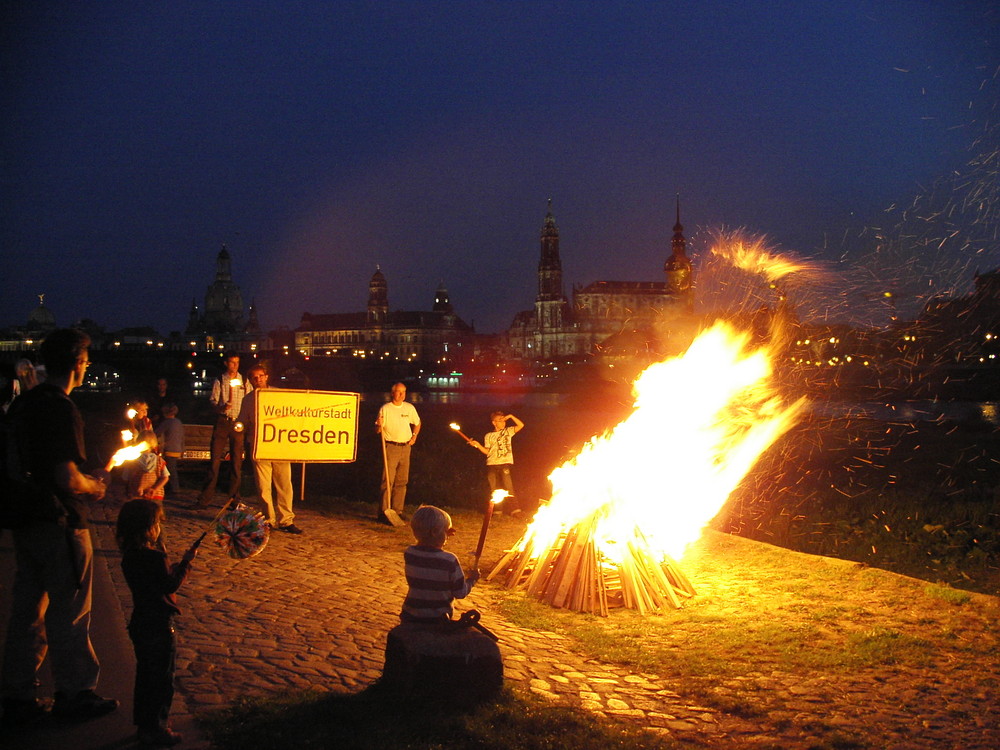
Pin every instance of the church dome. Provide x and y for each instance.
(41, 319)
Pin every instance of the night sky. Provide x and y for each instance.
(318, 139)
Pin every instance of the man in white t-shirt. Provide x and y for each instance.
(399, 425)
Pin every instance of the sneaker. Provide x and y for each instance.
(85, 705)
(290, 529)
(160, 737)
(22, 713)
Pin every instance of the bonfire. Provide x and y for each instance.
(630, 502)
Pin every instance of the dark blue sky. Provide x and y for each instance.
(318, 139)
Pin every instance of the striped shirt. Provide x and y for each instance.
(436, 579)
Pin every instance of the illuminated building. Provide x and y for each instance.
(221, 326)
(435, 335)
(577, 327)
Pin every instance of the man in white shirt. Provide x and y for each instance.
(399, 424)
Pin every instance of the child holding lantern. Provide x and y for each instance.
(153, 583)
(435, 577)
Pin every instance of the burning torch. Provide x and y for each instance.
(128, 453)
(127, 435)
(461, 434)
(495, 499)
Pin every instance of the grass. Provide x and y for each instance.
(746, 625)
(372, 719)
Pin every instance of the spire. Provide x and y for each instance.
(549, 228)
(677, 244)
(678, 266)
(378, 297)
(223, 266)
(549, 264)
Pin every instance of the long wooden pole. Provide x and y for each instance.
(217, 517)
(385, 473)
(482, 533)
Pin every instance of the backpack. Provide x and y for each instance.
(23, 500)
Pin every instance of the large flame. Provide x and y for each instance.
(753, 254)
(700, 421)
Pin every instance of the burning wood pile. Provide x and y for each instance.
(632, 500)
(573, 573)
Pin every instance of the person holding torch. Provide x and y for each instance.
(499, 452)
(228, 391)
(51, 595)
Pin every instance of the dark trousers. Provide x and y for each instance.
(155, 654)
(174, 483)
(500, 478)
(225, 437)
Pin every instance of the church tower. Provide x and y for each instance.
(550, 303)
(441, 301)
(378, 298)
(223, 300)
(678, 267)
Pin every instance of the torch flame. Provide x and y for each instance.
(127, 436)
(235, 383)
(130, 413)
(129, 453)
(700, 422)
(498, 496)
(455, 426)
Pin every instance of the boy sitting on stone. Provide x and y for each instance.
(435, 577)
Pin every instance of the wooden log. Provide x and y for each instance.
(682, 581)
(526, 555)
(572, 570)
(543, 569)
(504, 562)
(560, 566)
(661, 590)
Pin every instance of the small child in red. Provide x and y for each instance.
(148, 475)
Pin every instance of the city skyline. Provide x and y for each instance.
(318, 141)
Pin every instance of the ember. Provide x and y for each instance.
(633, 498)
